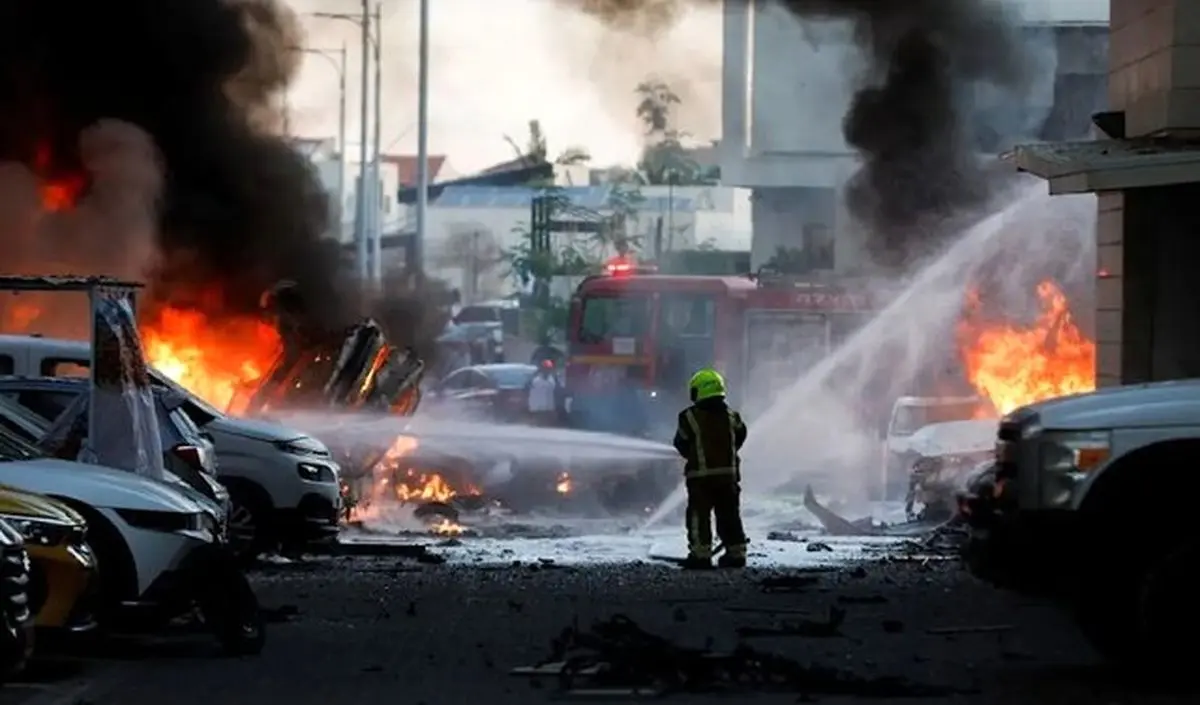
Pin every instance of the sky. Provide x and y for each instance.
(497, 64)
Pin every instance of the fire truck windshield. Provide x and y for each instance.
(608, 317)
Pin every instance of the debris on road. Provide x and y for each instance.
(617, 658)
(831, 626)
(788, 583)
(975, 629)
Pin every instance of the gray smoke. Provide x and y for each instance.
(910, 116)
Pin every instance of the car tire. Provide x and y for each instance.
(1167, 613)
(115, 568)
(249, 533)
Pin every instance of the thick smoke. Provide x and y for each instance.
(165, 113)
(909, 117)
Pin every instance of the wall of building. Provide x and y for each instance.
(1148, 306)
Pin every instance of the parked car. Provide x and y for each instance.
(34, 429)
(159, 550)
(283, 484)
(63, 575)
(496, 392)
(186, 452)
(16, 619)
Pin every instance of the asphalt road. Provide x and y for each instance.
(387, 630)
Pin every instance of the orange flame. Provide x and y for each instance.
(58, 193)
(214, 358)
(1015, 366)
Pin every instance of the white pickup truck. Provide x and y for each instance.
(1091, 502)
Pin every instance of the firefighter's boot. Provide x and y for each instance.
(734, 557)
(694, 562)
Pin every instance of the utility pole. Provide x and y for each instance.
(341, 180)
(361, 224)
(422, 138)
(377, 194)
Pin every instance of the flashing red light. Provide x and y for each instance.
(618, 268)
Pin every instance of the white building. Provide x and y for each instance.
(786, 90)
(395, 172)
(470, 227)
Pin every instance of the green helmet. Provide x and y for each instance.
(706, 384)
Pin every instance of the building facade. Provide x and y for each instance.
(786, 90)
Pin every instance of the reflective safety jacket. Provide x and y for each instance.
(709, 436)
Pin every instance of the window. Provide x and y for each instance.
(455, 382)
(7, 365)
(608, 317)
(511, 377)
(688, 315)
(59, 367)
(48, 405)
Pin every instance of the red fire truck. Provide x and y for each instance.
(636, 336)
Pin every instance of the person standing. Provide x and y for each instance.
(543, 395)
(709, 436)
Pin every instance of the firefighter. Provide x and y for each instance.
(709, 436)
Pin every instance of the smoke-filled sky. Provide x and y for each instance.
(496, 64)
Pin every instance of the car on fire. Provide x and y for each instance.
(159, 551)
(62, 581)
(1090, 501)
(941, 459)
(909, 416)
(283, 483)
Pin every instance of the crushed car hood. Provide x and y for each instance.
(1141, 405)
(256, 430)
(954, 438)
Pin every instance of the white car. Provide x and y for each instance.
(158, 549)
(910, 415)
(283, 484)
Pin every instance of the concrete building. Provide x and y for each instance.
(785, 92)
(1147, 176)
(469, 227)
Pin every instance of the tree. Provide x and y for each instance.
(664, 159)
(536, 149)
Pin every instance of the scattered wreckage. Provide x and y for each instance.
(1090, 503)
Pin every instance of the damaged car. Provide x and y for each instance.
(942, 458)
(1090, 502)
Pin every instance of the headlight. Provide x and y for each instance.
(303, 446)
(41, 531)
(169, 522)
(315, 473)
(1066, 460)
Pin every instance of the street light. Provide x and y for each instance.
(360, 217)
(337, 58)
(422, 137)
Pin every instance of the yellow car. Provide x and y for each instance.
(63, 568)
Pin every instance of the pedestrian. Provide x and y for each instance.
(709, 436)
(543, 395)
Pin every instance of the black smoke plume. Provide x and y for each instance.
(910, 118)
(198, 80)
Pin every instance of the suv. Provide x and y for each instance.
(1090, 501)
(283, 484)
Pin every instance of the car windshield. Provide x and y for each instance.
(607, 317)
(910, 419)
(15, 448)
(511, 377)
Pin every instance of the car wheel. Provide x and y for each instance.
(1167, 613)
(248, 533)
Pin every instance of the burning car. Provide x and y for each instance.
(942, 459)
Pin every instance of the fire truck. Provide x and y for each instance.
(635, 337)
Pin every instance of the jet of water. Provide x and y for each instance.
(811, 429)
